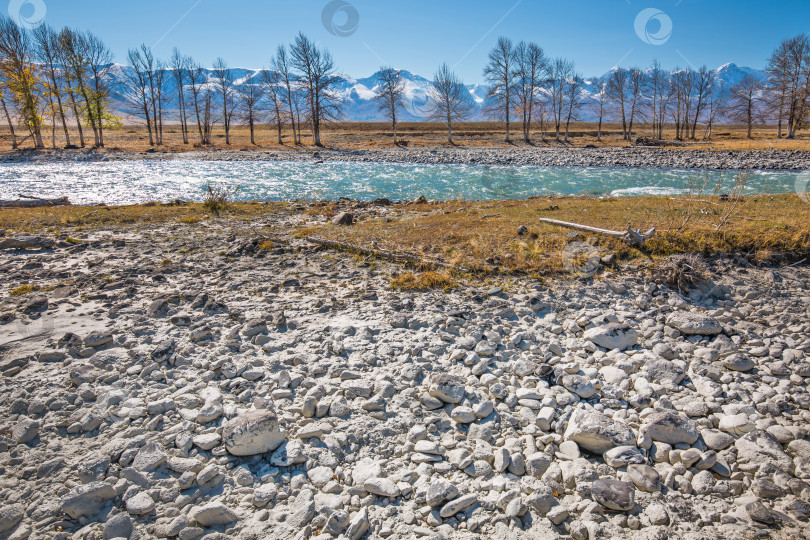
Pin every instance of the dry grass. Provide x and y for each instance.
(370, 135)
(77, 218)
(22, 290)
(423, 281)
(482, 236)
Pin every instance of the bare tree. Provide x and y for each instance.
(704, 84)
(617, 91)
(682, 91)
(251, 96)
(789, 72)
(716, 105)
(18, 69)
(318, 79)
(180, 67)
(139, 92)
(561, 73)
(530, 69)
(74, 70)
(281, 64)
(450, 101)
(99, 57)
(637, 84)
(275, 93)
(47, 43)
(598, 105)
(227, 94)
(198, 84)
(658, 91)
(573, 100)
(500, 74)
(390, 95)
(744, 102)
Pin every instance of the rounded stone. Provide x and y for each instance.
(254, 432)
(614, 494)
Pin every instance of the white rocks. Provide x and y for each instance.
(694, 324)
(644, 477)
(440, 491)
(458, 505)
(264, 494)
(537, 464)
(579, 385)
(207, 441)
(382, 487)
(622, 456)
(447, 388)
(596, 432)
(358, 526)
(614, 494)
(758, 447)
(612, 336)
(87, 499)
(670, 427)
(140, 504)
(10, 515)
(149, 457)
(365, 469)
(25, 430)
(716, 440)
(463, 415)
(253, 432)
(736, 424)
(212, 514)
(738, 362)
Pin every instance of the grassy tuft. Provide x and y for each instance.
(22, 290)
(423, 281)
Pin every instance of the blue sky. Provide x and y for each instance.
(418, 35)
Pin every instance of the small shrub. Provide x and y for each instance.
(217, 198)
(22, 290)
(423, 281)
(71, 240)
(190, 220)
(266, 245)
(683, 272)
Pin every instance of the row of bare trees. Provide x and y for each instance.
(526, 84)
(298, 90)
(53, 78)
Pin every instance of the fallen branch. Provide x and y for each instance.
(403, 258)
(34, 202)
(26, 242)
(630, 236)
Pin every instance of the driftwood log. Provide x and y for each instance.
(402, 258)
(26, 201)
(26, 242)
(630, 236)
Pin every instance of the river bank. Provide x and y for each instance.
(223, 377)
(541, 156)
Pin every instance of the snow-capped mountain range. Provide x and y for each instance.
(358, 94)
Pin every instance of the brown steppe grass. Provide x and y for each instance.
(372, 135)
(480, 239)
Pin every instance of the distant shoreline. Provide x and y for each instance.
(633, 157)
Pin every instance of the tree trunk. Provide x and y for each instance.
(10, 124)
(252, 140)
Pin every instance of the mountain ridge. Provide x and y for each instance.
(358, 94)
